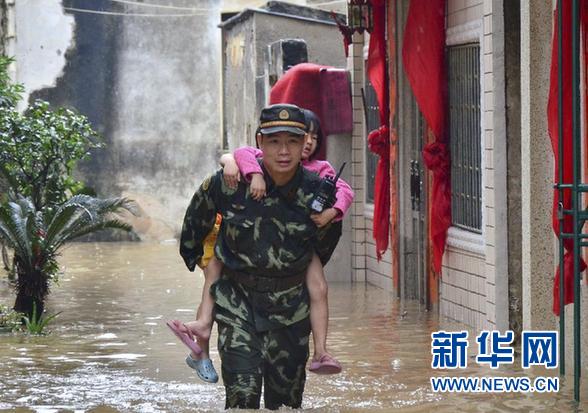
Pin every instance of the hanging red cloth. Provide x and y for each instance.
(553, 128)
(379, 139)
(423, 55)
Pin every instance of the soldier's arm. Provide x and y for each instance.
(199, 220)
(327, 240)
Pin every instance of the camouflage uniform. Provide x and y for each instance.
(262, 304)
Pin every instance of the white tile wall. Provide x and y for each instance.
(463, 287)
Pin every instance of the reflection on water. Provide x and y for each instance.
(109, 351)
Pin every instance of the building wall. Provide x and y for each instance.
(8, 32)
(239, 66)
(3, 25)
(474, 284)
(366, 267)
(358, 147)
(245, 55)
(149, 85)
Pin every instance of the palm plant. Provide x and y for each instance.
(37, 235)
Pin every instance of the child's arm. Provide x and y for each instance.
(230, 170)
(244, 162)
(344, 196)
(246, 159)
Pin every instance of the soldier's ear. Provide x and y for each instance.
(258, 140)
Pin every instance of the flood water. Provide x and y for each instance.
(110, 351)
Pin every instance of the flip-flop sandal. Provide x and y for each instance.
(325, 365)
(204, 369)
(184, 337)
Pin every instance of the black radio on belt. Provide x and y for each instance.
(325, 195)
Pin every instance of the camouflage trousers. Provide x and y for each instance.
(275, 357)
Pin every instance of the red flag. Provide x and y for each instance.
(567, 161)
(423, 54)
(379, 139)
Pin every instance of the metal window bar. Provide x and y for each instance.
(465, 136)
(372, 113)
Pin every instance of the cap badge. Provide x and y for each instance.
(284, 114)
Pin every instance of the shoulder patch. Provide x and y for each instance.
(206, 182)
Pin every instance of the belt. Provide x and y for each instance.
(265, 284)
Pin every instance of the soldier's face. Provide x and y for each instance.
(282, 152)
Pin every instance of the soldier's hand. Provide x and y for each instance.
(324, 217)
(231, 174)
(257, 187)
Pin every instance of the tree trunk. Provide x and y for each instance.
(25, 304)
(32, 289)
(5, 259)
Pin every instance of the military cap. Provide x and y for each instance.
(282, 117)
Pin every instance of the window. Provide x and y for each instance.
(372, 117)
(465, 136)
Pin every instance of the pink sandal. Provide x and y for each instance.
(186, 338)
(325, 365)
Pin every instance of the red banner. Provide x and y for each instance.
(423, 55)
(379, 139)
(553, 128)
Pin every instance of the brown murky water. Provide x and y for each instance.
(109, 351)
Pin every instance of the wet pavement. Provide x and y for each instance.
(110, 351)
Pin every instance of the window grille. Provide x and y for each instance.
(465, 136)
(372, 114)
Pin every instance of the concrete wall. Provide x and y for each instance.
(512, 47)
(3, 25)
(539, 248)
(239, 67)
(148, 84)
(8, 32)
(339, 268)
(537, 167)
(34, 47)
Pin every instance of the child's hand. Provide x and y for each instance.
(257, 186)
(324, 217)
(231, 174)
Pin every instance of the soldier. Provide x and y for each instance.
(261, 301)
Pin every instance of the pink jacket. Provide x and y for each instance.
(246, 158)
